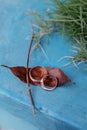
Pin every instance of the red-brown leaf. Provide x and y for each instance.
(20, 72)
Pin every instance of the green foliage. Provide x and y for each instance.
(42, 27)
(68, 17)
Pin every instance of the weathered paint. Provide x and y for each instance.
(64, 108)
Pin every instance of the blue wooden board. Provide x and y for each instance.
(65, 107)
(12, 122)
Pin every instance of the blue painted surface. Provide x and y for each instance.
(11, 122)
(64, 108)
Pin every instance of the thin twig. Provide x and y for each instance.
(37, 26)
(75, 51)
(44, 52)
(74, 63)
(33, 48)
(77, 48)
(82, 62)
(65, 57)
(67, 64)
(27, 72)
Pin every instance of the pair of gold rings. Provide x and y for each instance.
(39, 74)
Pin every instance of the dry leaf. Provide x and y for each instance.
(49, 74)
